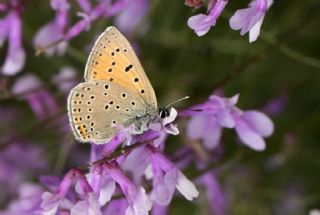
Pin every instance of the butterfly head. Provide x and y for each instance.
(164, 112)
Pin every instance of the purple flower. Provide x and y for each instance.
(159, 210)
(99, 151)
(60, 4)
(202, 23)
(136, 163)
(49, 34)
(118, 207)
(19, 162)
(85, 5)
(56, 33)
(65, 79)
(104, 9)
(82, 25)
(209, 118)
(3, 6)
(251, 18)
(198, 128)
(29, 87)
(165, 127)
(138, 200)
(103, 179)
(89, 205)
(54, 30)
(166, 177)
(215, 195)
(207, 123)
(51, 203)
(113, 7)
(132, 15)
(28, 201)
(101, 183)
(11, 30)
(251, 127)
(275, 106)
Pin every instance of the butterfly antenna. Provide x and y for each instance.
(176, 101)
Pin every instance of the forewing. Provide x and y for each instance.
(112, 58)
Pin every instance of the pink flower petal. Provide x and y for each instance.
(205, 127)
(26, 83)
(4, 30)
(15, 60)
(132, 15)
(255, 31)
(107, 191)
(233, 100)
(195, 23)
(186, 187)
(239, 19)
(141, 205)
(173, 115)
(225, 119)
(217, 102)
(88, 206)
(259, 122)
(50, 203)
(212, 135)
(60, 4)
(47, 34)
(163, 191)
(172, 129)
(249, 137)
(250, 19)
(65, 79)
(196, 127)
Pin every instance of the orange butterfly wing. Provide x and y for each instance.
(112, 58)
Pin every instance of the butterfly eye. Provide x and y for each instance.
(163, 113)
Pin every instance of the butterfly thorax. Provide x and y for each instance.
(151, 115)
(142, 120)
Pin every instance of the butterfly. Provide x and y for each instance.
(116, 91)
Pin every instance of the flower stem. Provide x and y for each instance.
(116, 154)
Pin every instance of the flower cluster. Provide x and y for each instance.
(246, 20)
(209, 118)
(31, 89)
(92, 192)
(11, 30)
(58, 31)
(117, 181)
(53, 37)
